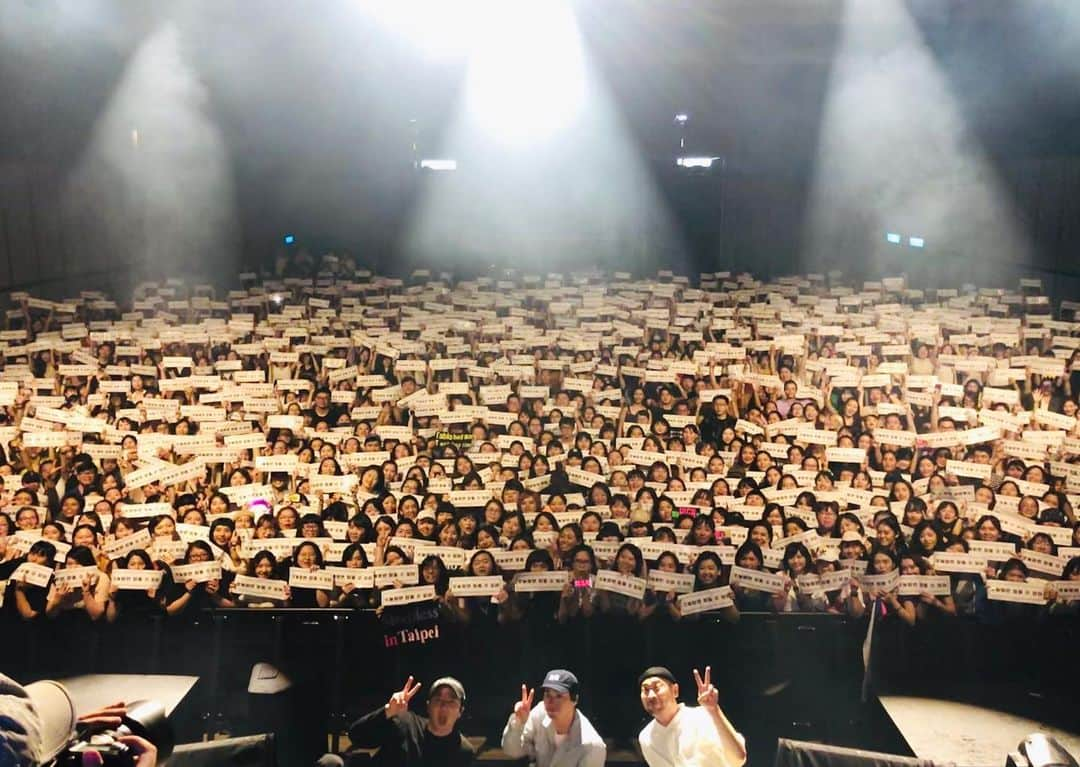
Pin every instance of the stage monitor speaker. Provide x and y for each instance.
(795, 753)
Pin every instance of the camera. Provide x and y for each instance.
(145, 718)
(65, 739)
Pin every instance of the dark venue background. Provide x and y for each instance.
(307, 108)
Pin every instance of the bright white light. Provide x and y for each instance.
(526, 78)
(898, 167)
(682, 117)
(893, 238)
(916, 242)
(438, 164)
(439, 28)
(696, 162)
(277, 298)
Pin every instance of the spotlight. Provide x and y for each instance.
(438, 165)
(696, 162)
(289, 239)
(277, 298)
(681, 118)
(917, 242)
(893, 238)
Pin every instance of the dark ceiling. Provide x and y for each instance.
(314, 100)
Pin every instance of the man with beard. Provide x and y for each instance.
(684, 736)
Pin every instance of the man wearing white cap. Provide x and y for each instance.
(684, 736)
(553, 733)
(405, 739)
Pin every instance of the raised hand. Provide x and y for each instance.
(524, 706)
(707, 695)
(399, 701)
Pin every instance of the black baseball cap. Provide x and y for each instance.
(561, 680)
(660, 672)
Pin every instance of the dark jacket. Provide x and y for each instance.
(404, 741)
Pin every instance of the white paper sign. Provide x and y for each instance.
(303, 578)
(541, 581)
(200, 572)
(757, 580)
(126, 579)
(1015, 591)
(702, 601)
(35, 575)
(73, 577)
(915, 585)
(477, 585)
(662, 581)
(409, 575)
(360, 577)
(394, 597)
(627, 585)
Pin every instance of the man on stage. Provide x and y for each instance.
(553, 733)
(682, 736)
(405, 739)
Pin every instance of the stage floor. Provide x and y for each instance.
(949, 731)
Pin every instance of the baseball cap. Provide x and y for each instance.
(660, 672)
(560, 680)
(448, 681)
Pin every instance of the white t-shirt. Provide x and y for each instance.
(689, 740)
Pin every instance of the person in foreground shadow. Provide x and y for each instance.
(553, 733)
(682, 736)
(405, 739)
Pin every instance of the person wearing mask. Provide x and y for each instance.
(680, 735)
(553, 733)
(405, 739)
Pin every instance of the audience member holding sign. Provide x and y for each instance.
(544, 452)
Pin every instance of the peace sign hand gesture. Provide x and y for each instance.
(399, 701)
(524, 706)
(707, 695)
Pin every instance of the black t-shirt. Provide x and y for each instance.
(333, 412)
(405, 741)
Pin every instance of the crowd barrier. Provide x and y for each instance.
(340, 662)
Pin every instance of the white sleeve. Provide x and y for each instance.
(511, 738)
(517, 739)
(708, 748)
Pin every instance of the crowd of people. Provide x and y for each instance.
(542, 448)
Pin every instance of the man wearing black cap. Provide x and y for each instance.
(405, 739)
(681, 736)
(553, 733)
